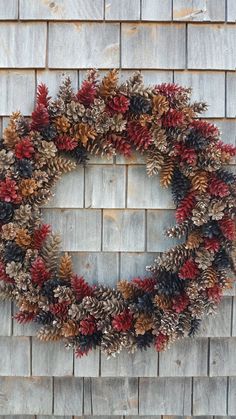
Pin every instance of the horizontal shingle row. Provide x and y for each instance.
(96, 396)
(18, 87)
(209, 46)
(151, 10)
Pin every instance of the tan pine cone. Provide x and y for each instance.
(143, 324)
(200, 181)
(23, 237)
(70, 329)
(84, 133)
(27, 187)
(167, 172)
(162, 302)
(160, 104)
(127, 289)
(65, 268)
(194, 240)
(9, 231)
(62, 124)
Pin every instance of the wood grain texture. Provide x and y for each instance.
(231, 10)
(212, 47)
(231, 94)
(15, 84)
(18, 43)
(68, 396)
(25, 395)
(15, 356)
(135, 39)
(234, 318)
(6, 319)
(61, 10)
(87, 366)
(232, 396)
(218, 325)
(105, 186)
(80, 229)
(130, 365)
(51, 359)
(9, 12)
(199, 10)
(122, 10)
(157, 222)
(146, 192)
(123, 230)
(156, 10)
(209, 396)
(186, 358)
(69, 191)
(114, 396)
(102, 268)
(168, 396)
(134, 264)
(203, 86)
(222, 357)
(103, 53)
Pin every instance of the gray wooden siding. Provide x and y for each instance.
(107, 210)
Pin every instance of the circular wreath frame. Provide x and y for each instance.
(108, 118)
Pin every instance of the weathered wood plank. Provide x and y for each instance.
(80, 229)
(15, 356)
(123, 230)
(51, 359)
(199, 10)
(25, 395)
(231, 11)
(17, 91)
(130, 365)
(69, 191)
(218, 325)
(19, 43)
(6, 318)
(99, 268)
(146, 192)
(105, 186)
(231, 94)
(61, 10)
(168, 396)
(157, 222)
(212, 47)
(68, 396)
(114, 396)
(222, 357)
(104, 53)
(9, 12)
(87, 366)
(203, 86)
(158, 37)
(232, 396)
(185, 358)
(234, 318)
(209, 396)
(102, 268)
(134, 264)
(156, 10)
(122, 10)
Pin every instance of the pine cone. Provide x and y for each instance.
(6, 212)
(65, 267)
(24, 168)
(160, 104)
(23, 238)
(139, 105)
(13, 252)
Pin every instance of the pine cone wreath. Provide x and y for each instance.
(105, 118)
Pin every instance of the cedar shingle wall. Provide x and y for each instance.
(110, 214)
